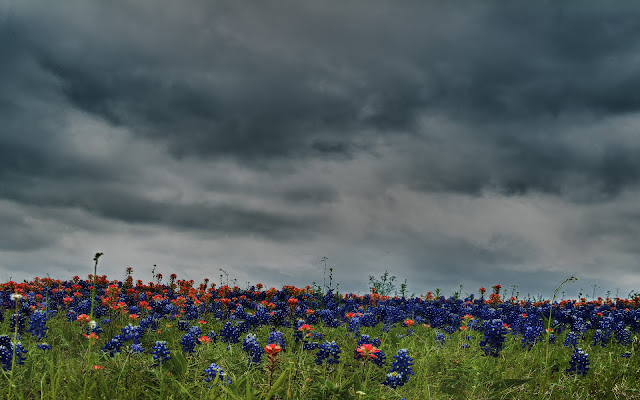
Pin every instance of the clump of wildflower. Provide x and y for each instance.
(17, 322)
(38, 324)
(230, 333)
(160, 351)
(44, 346)
(329, 351)
(367, 351)
(252, 347)
(136, 348)
(400, 370)
(440, 338)
(494, 336)
(272, 351)
(215, 373)
(188, 343)
(579, 362)
(571, 340)
(278, 338)
(113, 346)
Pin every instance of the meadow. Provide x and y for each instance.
(97, 338)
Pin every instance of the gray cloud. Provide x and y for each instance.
(470, 141)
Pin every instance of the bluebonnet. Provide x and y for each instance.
(602, 337)
(133, 333)
(230, 333)
(188, 343)
(7, 350)
(44, 346)
(494, 336)
(329, 351)
(579, 363)
(571, 339)
(160, 351)
(278, 338)
(626, 354)
(623, 335)
(354, 325)
(19, 320)
(183, 325)
(252, 347)
(215, 371)
(367, 339)
(136, 348)
(114, 345)
(531, 334)
(401, 369)
(440, 338)
(6, 353)
(38, 324)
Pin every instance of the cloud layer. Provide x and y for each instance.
(450, 144)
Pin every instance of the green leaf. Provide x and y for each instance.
(177, 364)
(277, 384)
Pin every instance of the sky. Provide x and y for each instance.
(449, 143)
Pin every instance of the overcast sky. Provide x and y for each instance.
(451, 143)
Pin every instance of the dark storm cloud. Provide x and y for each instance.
(291, 122)
(308, 81)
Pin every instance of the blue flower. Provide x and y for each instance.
(114, 345)
(401, 369)
(329, 351)
(136, 348)
(160, 351)
(579, 362)
(278, 338)
(38, 324)
(44, 346)
(215, 371)
(494, 335)
(251, 346)
(440, 338)
(230, 333)
(188, 343)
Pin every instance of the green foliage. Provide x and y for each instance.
(385, 285)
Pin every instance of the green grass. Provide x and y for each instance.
(441, 371)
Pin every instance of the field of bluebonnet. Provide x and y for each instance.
(124, 339)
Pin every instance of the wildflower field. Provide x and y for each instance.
(110, 339)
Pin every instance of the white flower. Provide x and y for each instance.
(92, 324)
(16, 296)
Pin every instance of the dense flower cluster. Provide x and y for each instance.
(579, 363)
(128, 314)
(160, 351)
(495, 333)
(252, 347)
(329, 351)
(401, 369)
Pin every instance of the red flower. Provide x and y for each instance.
(204, 339)
(367, 351)
(97, 367)
(272, 349)
(408, 322)
(83, 318)
(305, 327)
